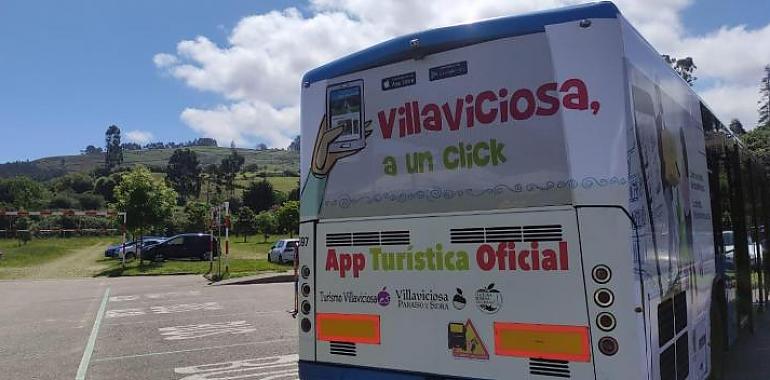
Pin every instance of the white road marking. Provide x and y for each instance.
(274, 341)
(125, 313)
(123, 298)
(185, 307)
(205, 330)
(270, 368)
(155, 296)
(224, 315)
(86, 359)
(181, 308)
(172, 294)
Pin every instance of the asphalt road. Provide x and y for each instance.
(173, 327)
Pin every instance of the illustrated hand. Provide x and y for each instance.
(323, 159)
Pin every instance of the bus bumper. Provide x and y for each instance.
(323, 371)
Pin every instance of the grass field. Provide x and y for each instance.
(52, 258)
(84, 257)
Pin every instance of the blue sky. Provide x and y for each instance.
(69, 69)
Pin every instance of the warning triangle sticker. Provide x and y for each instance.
(474, 347)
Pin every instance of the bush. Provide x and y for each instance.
(90, 201)
(63, 202)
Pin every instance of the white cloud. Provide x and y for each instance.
(734, 101)
(244, 122)
(164, 60)
(139, 137)
(259, 70)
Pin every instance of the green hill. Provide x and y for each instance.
(272, 160)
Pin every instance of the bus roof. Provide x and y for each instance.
(452, 37)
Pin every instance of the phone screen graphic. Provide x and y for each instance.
(346, 111)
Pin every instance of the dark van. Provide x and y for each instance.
(185, 246)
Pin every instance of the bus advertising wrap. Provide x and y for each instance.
(466, 129)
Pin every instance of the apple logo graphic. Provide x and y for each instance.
(458, 301)
(383, 297)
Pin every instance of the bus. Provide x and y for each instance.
(529, 197)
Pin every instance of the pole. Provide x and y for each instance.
(211, 243)
(123, 247)
(227, 236)
(219, 235)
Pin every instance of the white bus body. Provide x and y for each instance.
(508, 168)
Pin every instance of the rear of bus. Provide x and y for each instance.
(462, 210)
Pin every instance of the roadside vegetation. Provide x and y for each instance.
(82, 257)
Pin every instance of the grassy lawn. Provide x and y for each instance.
(52, 257)
(238, 267)
(245, 259)
(84, 257)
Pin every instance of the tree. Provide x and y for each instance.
(293, 194)
(204, 141)
(259, 196)
(92, 150)
(261, 146)
(288, 217)
(764, 100)
(90, 201)
(114, 152)
(183, 173)
(245, 222)
(230, 167)
(105, 186)
(685, 67)
(24, 227)
(198, 215)
(75, 182)
(736, 127)
(148, 203)
(294, 146)
(63, 202)
(211, 173)
(131, 146)
(22, 193)
(266, 223)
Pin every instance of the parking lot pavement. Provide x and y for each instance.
(747, 360)
(146, 328)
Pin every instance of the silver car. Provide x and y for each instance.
(284, 250)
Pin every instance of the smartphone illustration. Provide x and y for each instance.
(345, 109)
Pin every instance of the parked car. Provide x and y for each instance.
(184, 246)
(116, 250)
(283, 250)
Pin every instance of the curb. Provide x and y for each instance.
(269, 278)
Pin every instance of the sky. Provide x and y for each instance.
(175, 70)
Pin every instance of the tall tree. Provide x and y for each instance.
(259, 196)
(288, 217)
(245, 222)
(685, 67)
(229, 169)
(736, 127)
(148, 203)
(114, 152)
(184, 174)
(293, 194)
(764, 99)
(197, 216)
(266, 223)
(294, 144)
(211, 173)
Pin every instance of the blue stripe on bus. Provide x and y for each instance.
(319, 371)
(451, 37)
